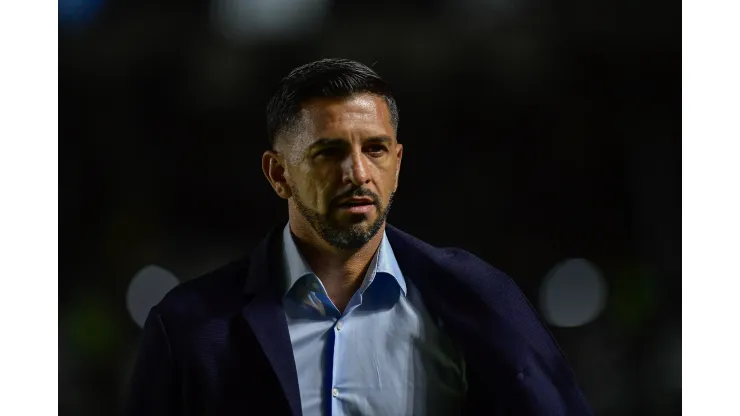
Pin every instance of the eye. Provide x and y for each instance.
(328, 152)
(376, 150)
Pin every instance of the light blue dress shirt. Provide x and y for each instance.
(384, 355)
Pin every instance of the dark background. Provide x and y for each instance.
(534, 132)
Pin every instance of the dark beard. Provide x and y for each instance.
(351, 238)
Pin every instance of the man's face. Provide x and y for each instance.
(341, 167)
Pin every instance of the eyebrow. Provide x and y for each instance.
(378, 140)
(328, 141)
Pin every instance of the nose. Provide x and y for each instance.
(355, 169)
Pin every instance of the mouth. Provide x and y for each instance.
(357, 205)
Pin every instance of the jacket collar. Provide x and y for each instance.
(265, 314)
(295, 265)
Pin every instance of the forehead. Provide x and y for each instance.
(352, 118)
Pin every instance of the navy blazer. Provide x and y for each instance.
(219, 344)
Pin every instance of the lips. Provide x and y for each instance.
(357, 206)
(356, 202)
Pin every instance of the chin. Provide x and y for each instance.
(362, 224)
(353, 226)
(358, 223)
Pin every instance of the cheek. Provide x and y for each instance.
(389, 181)
(317, 192)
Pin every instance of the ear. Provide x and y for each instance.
(399, 156)
(274, 169)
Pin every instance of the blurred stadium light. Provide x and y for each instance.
(146, 289)
(77, 13)
(573, 293)
(267, 19)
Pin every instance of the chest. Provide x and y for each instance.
(380, 358)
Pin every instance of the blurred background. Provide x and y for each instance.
(545, 134)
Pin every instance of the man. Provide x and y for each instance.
(337, 312)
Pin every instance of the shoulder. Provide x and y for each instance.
(483, 279)
(461, 276)
(462, 262)
(456, 263)
(480, 290)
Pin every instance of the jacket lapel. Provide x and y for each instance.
(451, 303)
(265, 315)
(448, 298)
(469, 319)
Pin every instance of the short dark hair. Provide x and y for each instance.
(331, 77)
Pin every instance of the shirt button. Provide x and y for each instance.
(339, 326)
(334, 392)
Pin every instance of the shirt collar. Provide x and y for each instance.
(296, 266)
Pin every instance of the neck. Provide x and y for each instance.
(341, 271)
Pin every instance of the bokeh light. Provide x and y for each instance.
(78, 12)
(573, 293)
(273, 19)
(147, 288)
